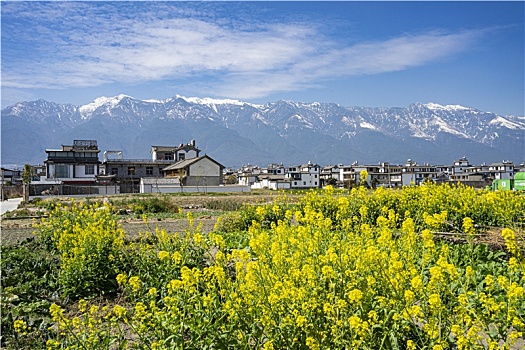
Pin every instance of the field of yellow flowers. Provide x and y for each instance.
(333, 270)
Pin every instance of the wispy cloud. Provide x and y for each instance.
(87, 44)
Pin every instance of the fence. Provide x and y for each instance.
(72, 190)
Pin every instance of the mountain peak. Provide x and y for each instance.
(87, 110)
(277, 131)
(435, 106)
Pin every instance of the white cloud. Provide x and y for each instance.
(81, 45)
(12, 96)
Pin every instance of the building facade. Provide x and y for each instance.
(175, 153)
(200, 171)
(75, 164)
(304, 176)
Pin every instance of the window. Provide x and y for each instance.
(149, 170)
(182, 156)
(90, 170)
(61, 171)
(114, 171)
(315, 176)
(131, 170)
(304, 183)
(168, 156)
(315, 183)
(295, 183)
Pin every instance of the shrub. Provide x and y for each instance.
(156, 204)
(89, 243)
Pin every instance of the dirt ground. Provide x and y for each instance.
(14, 231)
(17, 229)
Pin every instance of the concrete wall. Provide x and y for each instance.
(140, 169)
(77, 171)
(80, 171)
(272, 185)
(203, 181)
(175, 188)
(204, 173)
(307, 180)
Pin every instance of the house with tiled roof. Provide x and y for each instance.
(175, 153)
(304, 176)
(200, 171)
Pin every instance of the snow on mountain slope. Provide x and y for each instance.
(505, 123)
(277, 126)
(110, 102)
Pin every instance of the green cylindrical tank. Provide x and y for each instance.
(519, 181)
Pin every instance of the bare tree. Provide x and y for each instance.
(181, 174)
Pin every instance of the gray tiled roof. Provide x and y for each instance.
(181, 164)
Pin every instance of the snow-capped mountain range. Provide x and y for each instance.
(236, 133)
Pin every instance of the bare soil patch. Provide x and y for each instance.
(15, 231)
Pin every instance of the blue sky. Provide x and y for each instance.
(377, 54)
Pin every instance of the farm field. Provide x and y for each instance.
(428, 267)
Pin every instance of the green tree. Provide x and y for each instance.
(332, 181)
(363, 177)
(27, 175)
(230, 180)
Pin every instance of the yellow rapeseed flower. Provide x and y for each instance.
(122, 279)
(119, 311)
(20, 326)
(135, 283)
(163, 255)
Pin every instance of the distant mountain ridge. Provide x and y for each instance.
(236, 133)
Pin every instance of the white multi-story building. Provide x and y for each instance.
(77, 164)
(304, 176)
(503, 170)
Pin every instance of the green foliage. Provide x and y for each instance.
(27, 174)
(89, 243)
(150, 204)
(225, 204)
(29, 280)
(157, 204)
(338, 269)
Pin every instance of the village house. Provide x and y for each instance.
(388, 175)
(76, 164)
(480, 176)
(128, 172)
(417, 174)
(350, 175)
(503, 170)
(304, 176)
(459, 166)
(171, 153)
(329, 175)
(11, 176)
(271, 182)
(272, 177)
(200, 171)
(247, 175)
